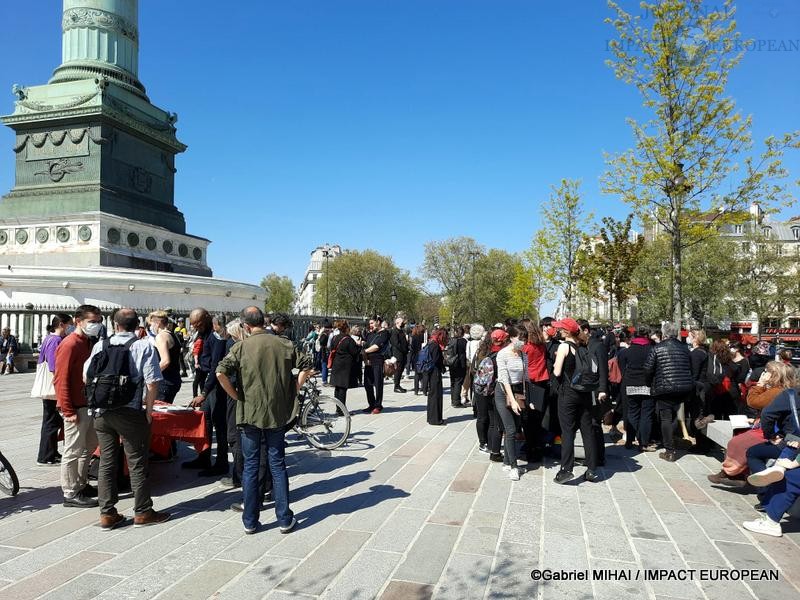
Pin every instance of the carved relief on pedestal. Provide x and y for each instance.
(141, 180)
(58, 169)
(77, 18)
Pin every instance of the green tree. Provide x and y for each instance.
(694, 153)
(280, 293)
(565, 223)
(536, 261)
(522, 294)
(766, 278)
(587, 278)
(616, 256)
(362, 283)
(494, 275)
(449, 263)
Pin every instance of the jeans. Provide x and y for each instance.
(256, 441)
(574, 412)
(640, 414)
(373, 382)
(435, 396)
(80, 441)
(216, 410)
(51, 425)
(131, 425)
(483, 407)
(667, 406)
(325, 370)
(758, 455)
(509, 424)
(780, 496)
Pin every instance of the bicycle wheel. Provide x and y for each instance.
(8, 477)
(325, 422)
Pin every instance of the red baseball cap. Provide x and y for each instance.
(499, 336)
(570, 325)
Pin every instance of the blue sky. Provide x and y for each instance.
(386, 123)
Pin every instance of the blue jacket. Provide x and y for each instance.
(777, 419)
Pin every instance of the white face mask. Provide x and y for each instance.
(70, 329)
(153, 330)
(217, 335)
(517, 344)
(92, 329)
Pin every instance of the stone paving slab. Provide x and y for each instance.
(403, 511)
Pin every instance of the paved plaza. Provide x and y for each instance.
(405, 511)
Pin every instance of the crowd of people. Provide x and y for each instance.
(531, 386)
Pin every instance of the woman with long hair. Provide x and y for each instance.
(344, 366)
(436, 345)
(574, 406)
(509, 394)
(721, 381)
(772, 381)
(51, 419)
(538, 388)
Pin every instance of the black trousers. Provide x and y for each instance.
(398, 374)
(51, 425)
(373, 382)
(215, 408)
(132, 426)
(435, 397)
(574, 412)
(599, 409)
(483, 408)
(198, 382)
(340, 393)
(667, 406)
(456, 383)
(640, 414)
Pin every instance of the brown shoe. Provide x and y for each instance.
(151, 517)
(717, 478)
(111, 521)
(668, 456)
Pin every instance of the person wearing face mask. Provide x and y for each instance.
(80, 439)
(551, 341)
(212, 398)
(512, 371)
(51, 420)
(169, 355)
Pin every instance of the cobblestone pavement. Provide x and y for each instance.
(405, 511)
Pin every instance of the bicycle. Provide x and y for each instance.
(323, 421)
(9, 482)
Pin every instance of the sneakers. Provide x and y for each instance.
(483, 448)
(238, 507)
(81, 501)
(563, 477)
(513, 474)
(764, 526)
(766, 477)
(250, 530)
(228, 482)
(289, 527)
(111, 521)
(506, 468)
(495, 457)
(400, 390)
(591, 476)
(49, 463)
(649, 448)
(151, 517)
(668, 455)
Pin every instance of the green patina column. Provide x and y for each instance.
(90, 146)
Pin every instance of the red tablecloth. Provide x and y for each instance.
(187, 426)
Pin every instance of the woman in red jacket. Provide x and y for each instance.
(538, 389)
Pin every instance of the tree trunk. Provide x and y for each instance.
(677, 280)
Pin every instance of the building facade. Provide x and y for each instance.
(321, 257)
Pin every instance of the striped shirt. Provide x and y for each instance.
(511, 367)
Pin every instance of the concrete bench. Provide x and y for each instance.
(26, 362)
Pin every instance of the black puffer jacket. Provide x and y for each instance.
(669, 368)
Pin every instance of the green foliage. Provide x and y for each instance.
(522, 295)
(450, 263)
(565, 223)
(543, 279)
(280, 293)
(361, 284)
(694, 153)
(616, 256)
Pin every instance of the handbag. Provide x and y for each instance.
(43, 382)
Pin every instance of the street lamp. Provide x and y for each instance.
(473, 254)
(326, 252)
(394, 301)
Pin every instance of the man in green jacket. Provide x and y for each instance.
(266, 402)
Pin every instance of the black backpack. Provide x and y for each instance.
(586, 377)
(451, 353)
(108, 378)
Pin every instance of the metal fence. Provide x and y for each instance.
(29, 322)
